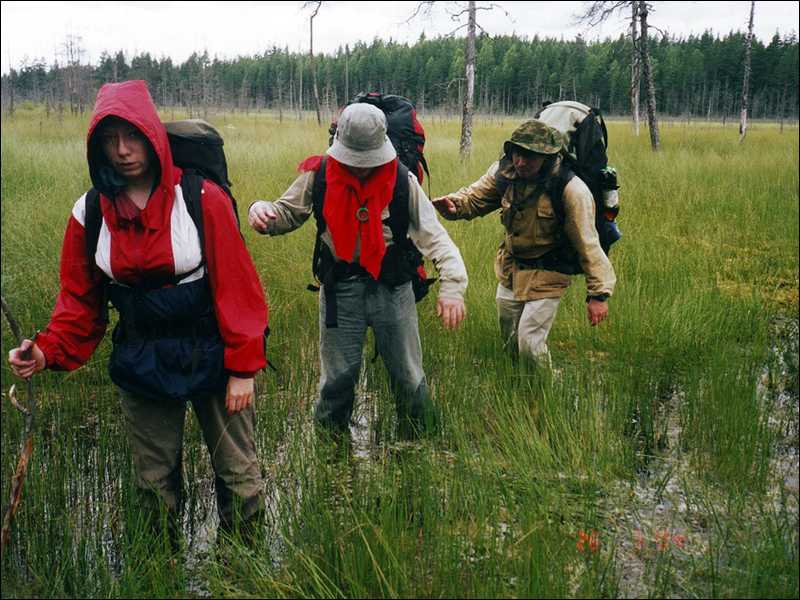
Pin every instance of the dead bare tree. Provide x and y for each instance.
(72, 50)
(346, 73)
(635, 67)
(598, 12)
(468, 104)
(647, 71)
(748, 44)
(315, 6)
(465, 145)
(300, 90)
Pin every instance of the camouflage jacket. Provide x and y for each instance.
(532, 230)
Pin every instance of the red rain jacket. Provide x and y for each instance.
(161, 242)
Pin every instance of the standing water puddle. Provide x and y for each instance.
(668, 512)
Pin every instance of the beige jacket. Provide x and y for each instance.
(296, 205)
(534, 230)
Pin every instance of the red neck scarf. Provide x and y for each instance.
(344, 196)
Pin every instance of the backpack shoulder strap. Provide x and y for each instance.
(603, 127)
(317, 198)
(424, 164)
(559, 183)
(318, 194)
(398, 208)
(192, 188)
(93, 221)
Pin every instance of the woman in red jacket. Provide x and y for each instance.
(192, 311)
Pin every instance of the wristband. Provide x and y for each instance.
(598, 297)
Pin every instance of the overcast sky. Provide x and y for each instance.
(33, 30)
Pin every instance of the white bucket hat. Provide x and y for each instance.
(361, 139)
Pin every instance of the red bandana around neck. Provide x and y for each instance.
(344, 196)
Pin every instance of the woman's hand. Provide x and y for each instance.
(240, 394)
(27, 359)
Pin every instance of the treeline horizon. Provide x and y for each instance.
(699, 76)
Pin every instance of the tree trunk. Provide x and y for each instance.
(465, 147)
(782, 107)
(300, 92)
(244, 95)
(724, 103)
(291, 91)
(346, 74)
(280, 98)
(746, 81)
(311, 63)
(655, 140)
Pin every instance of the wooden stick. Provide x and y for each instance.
(18, 479)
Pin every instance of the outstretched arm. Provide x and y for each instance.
(596, 310)
(287, 213)
(476, 200)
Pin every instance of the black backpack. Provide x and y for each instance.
(197, 149)
(585, 156)
(403, 129)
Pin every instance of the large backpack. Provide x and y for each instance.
(403, 129)
(586, 156)
(197, 148)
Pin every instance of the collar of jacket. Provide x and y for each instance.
(156, 215)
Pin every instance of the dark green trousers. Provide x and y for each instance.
(155, 431)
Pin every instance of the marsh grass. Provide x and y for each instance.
(659, 403)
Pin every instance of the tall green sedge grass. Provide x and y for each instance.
(526, 460)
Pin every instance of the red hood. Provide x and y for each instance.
(130, 100)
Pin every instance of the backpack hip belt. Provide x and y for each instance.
(552, 261)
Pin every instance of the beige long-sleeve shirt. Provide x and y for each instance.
(295, 206)
(533, 230)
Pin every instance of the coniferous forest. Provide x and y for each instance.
(696, 77)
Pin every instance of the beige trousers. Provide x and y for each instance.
(525, 325)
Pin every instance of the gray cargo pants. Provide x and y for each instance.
(392, 314)
(155, 431)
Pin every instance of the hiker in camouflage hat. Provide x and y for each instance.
(539, 218)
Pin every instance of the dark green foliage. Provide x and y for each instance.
(699, 76)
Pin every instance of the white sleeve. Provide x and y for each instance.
(433, 241)
(294, 207)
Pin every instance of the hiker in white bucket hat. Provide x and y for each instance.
(374, 224)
